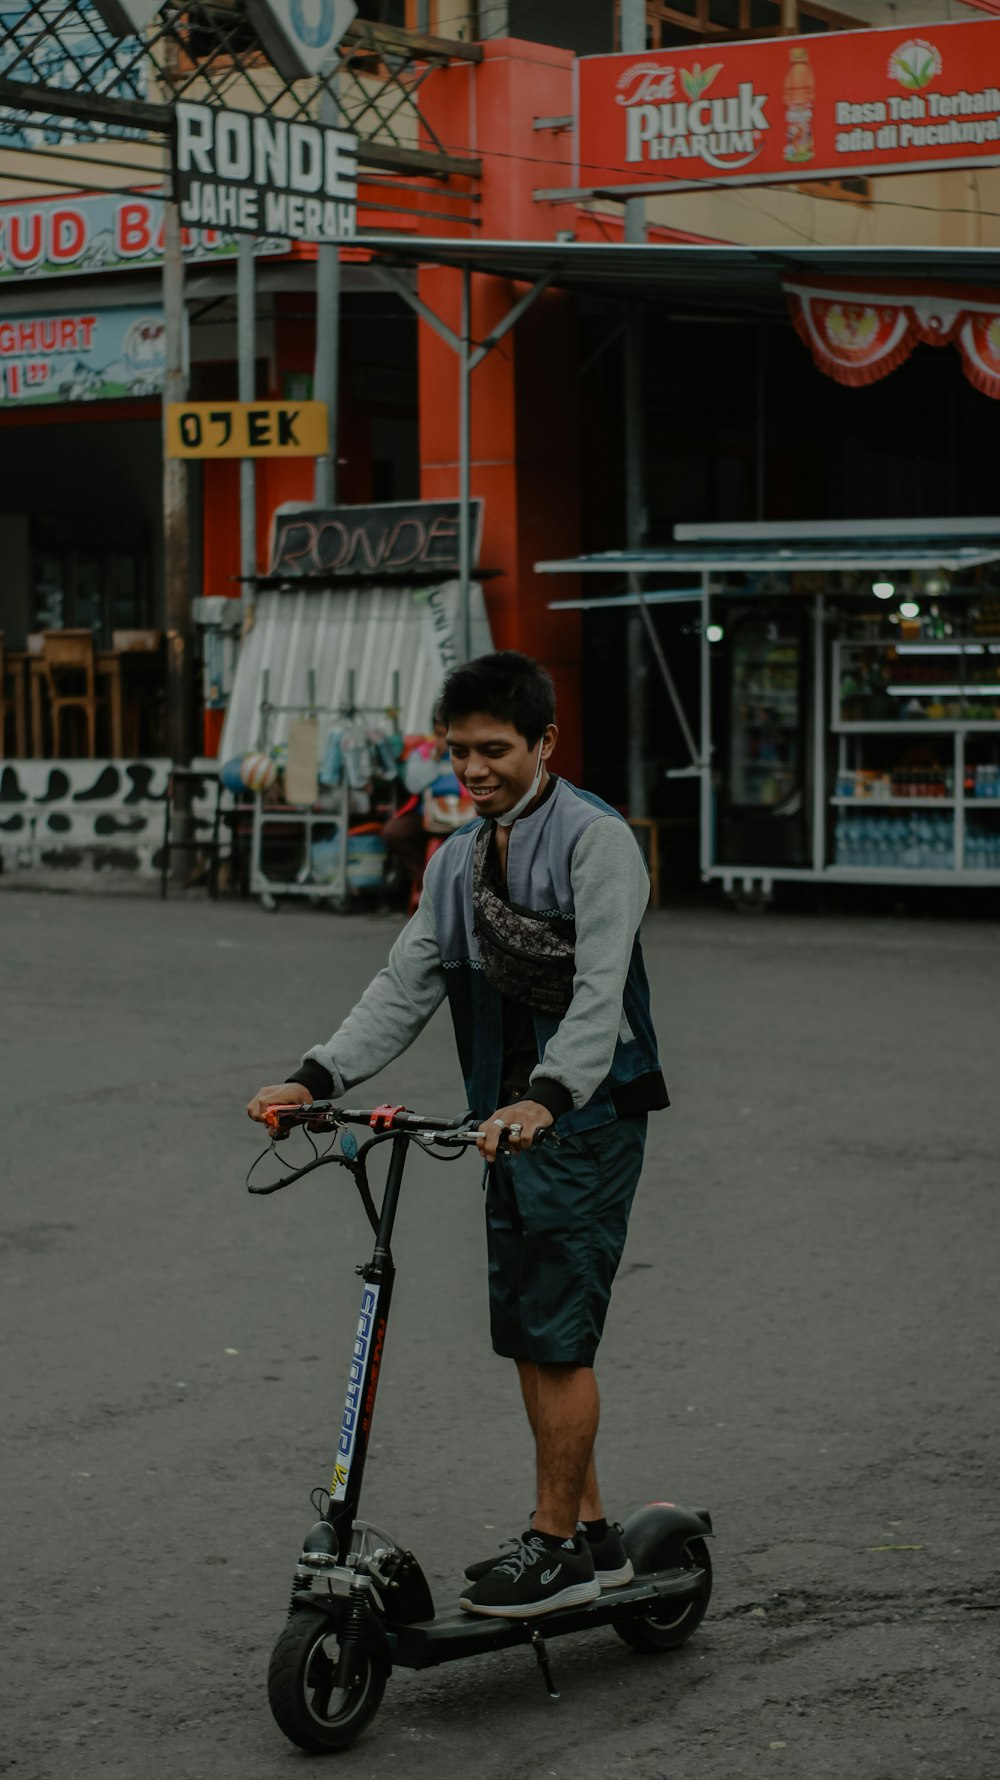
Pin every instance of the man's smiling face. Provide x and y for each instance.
(495, 762)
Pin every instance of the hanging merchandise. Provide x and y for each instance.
(331, 765)
(859, 334)
(357, 757)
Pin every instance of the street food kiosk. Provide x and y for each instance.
(849, 728)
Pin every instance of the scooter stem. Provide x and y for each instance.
(366, 1364)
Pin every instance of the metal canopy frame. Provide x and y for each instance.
(63, 62)
(777, 561)
(693, 276)
(746, 280)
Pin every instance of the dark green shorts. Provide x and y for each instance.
(556, 1220)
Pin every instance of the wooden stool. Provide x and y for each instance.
(70, 653)
(650, 827)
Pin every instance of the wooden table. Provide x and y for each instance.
(108, 665)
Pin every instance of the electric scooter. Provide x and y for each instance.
(360, 1603)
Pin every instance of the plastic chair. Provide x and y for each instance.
(68, 661)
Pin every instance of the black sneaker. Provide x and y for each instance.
(476, 1572)
(612, 1564)
(535, 1578)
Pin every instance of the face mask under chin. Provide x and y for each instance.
(510, 816)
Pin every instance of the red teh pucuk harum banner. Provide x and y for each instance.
(830, 106)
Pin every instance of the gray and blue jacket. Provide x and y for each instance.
(572, 858)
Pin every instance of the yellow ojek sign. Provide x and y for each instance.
(247, 429)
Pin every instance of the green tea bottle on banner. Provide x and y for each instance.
(800, 100)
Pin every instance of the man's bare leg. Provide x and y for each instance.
(563, 1407)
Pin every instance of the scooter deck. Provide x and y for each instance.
(453, 1633)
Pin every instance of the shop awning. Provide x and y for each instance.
(319, 647)
(694, 275)
(737, 560)
(837, 546)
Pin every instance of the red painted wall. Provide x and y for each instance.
(524, 408)
(525, 395)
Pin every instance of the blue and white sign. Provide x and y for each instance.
(127, 18)
(80, 355)
(65, 47)
(300, 36)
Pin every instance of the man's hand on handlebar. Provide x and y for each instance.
(283, 1094)
(512, 1128)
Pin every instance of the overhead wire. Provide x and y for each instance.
(663, 186)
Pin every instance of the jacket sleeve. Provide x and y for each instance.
(610, 893)
(392, 1012)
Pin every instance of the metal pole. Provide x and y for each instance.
(707, 848)
(465, 468)
(327, 360)
(177, 601)
(761, 420)
(246, 334)
(633, 42)
(635, 527)
(819, 738)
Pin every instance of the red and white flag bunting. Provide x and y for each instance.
(859, 335)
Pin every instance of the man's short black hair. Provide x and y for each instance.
(506, 685)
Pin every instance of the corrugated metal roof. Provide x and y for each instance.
(681, 559)
(693, 275)
(372, 632)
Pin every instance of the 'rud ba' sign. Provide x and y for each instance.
(264, 175)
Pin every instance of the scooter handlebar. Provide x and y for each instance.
(323, 1115)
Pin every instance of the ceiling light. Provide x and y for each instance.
(909, 609)
(883, 590)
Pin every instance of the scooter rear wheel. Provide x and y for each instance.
(312, 1712)
(669, 1623)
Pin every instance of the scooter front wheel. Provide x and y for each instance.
(301, 1684)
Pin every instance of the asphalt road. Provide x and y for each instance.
(803, 1338)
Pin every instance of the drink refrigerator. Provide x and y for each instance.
(763, 793)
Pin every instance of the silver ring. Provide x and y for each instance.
(501, 1124)
(514, 1130)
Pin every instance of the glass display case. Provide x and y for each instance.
(917, 785)
(921, 680)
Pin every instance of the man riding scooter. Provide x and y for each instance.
(528, 924)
